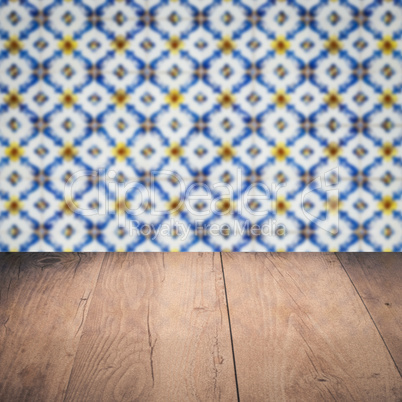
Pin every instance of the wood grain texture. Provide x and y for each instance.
(43, 305)
(157, 329)
(301, 332)
(378, 280)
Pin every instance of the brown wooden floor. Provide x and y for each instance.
(178, 327)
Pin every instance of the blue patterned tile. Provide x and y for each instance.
(209, 125)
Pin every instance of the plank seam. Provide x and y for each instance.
(230, 329)
(368, 312)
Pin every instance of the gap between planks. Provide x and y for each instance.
(230, 328)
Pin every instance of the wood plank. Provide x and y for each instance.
(378, 279)
(43, 304)
(301, 332)
(157, 329)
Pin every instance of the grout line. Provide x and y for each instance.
(372, 319)
(191, 179)
(360, 136)
(230, 329)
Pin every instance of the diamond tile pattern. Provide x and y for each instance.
(209, 118)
